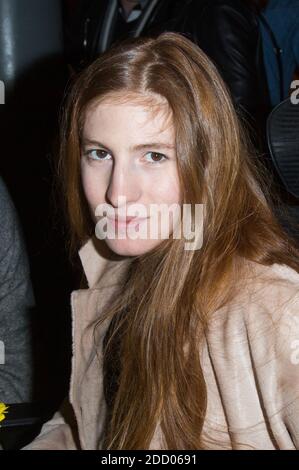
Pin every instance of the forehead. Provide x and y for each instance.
(149, 114)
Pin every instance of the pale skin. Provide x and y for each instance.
(114, 164)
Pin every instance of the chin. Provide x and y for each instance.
(129, 247)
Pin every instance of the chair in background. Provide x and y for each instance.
(283, 143)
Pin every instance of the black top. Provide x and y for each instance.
(112, 361)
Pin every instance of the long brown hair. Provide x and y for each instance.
(170, 293)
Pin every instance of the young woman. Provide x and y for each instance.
(175, 347)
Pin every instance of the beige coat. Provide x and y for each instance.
(250, 359)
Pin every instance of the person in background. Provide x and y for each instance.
(280, 32)
(226, 30)
(16, 308)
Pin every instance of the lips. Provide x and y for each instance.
(121, 219)
(124, 221)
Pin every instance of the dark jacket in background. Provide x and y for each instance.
(226, 30)
(16, 307)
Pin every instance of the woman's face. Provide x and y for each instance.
(129, 158)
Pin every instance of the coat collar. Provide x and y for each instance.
(97, 259)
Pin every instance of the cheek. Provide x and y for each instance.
(174, 193)
(168, 189)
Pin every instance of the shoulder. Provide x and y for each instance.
(264, 313)
(254, 347)
(270, 286)
(273, 334)
(263, 320)
(274, 288)
(274, 305)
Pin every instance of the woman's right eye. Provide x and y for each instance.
(97, 154)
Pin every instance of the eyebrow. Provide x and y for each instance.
(152, 145)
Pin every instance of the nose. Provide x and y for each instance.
(122, 184)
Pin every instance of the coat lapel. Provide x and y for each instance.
(103, 271)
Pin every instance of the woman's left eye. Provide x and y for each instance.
(156, 157)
